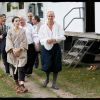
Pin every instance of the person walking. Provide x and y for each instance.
(36, 24)
(33, 40)
(50, 34)
(16, 48)
(3, 44)
(1, 33)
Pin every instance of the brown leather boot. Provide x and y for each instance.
(22, 89)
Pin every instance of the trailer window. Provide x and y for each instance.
(40, 12)
(8, 7)
(21, 5)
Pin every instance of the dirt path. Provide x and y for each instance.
(60, 93)
(36, 89)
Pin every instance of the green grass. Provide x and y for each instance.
(6, 87)
(78, 81)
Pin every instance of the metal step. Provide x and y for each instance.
(68, 61)
(73, 53)
(80, 46)
(85, 39)
(76, 53)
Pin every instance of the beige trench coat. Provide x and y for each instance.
(16, 40)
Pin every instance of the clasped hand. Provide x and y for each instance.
(16, 52)
(51, 41)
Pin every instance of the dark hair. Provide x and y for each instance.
(4, 15)
(14, 18)
(37, 18)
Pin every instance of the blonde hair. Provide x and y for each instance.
(51, 12)
(23, 18)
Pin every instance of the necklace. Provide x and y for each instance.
(16, 29)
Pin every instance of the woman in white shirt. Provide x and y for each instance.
(50, 34)
(33, 40)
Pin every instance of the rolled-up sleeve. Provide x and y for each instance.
(60, 36)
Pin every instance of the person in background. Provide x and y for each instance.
(30, 15)
(1, 19)
(16, 48)
(33, 40)
(3, 44)
(50, 34)
(7, 26)
(36, 24)
(0, 51)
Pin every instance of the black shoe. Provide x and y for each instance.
(45, 83)
(54, 86)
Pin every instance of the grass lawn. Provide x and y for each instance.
(6, 87)
(78, 81)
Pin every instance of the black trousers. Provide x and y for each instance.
(6, 64)
(31, 56)
(36, 64)
(20, 74)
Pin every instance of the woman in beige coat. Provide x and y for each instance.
(16, 48)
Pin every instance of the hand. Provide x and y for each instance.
(51, 41)
(54, 41)
(37, 47)
(16, 52)
(1, 36)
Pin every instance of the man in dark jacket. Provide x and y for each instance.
(3, 34)
(0, 33)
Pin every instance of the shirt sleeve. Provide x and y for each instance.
(35, 36)
(60, 35)
(42, 38)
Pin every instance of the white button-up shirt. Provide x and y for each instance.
(37, 27)
(30, 34)
(45, 33)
